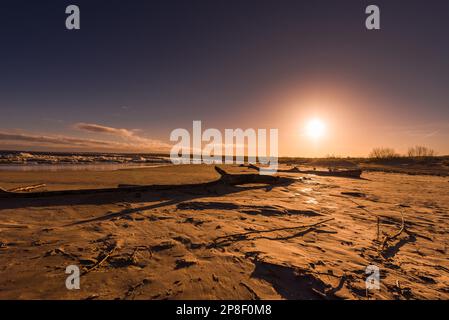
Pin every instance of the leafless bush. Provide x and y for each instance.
(383, 153)
(332, 156)
(421, 151)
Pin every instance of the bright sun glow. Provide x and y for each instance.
(315, 128)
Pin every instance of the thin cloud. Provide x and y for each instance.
(96, 128)
(42, 141)
(57, 140)
(128, 135)
(422, 133)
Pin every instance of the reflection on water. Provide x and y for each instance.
(76, 167)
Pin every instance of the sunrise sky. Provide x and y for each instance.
(139, 69)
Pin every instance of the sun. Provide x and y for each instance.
(315, 128)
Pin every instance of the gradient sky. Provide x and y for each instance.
(139, 69)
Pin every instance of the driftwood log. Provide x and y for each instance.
(28, 188)
(225, 178)
(349, 173)
(294, 169)
(236, 179)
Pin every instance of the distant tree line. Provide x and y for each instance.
(413, 152)
(420, 151)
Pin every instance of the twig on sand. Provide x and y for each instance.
(378, 228)
(279, 229)
(242, 236)
(133, 288)
(13, 225)
(388, 238)
(101, 261)
(319, 293)
(28, 188)
(360, 206)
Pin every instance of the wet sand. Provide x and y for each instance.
(311, 239)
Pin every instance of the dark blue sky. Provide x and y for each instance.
(157, 65)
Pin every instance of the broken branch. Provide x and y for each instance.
(28, 188)
(388, 238)
(101, 261)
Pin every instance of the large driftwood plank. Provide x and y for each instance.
(350, 173)
(225, 178)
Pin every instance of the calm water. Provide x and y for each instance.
(76, 167)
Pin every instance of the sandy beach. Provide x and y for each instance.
(224, 159)
(309, 239)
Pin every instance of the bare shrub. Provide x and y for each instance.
(421, 151)
(383, 153)
(332, 156)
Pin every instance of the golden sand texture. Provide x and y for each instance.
(311, 239)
